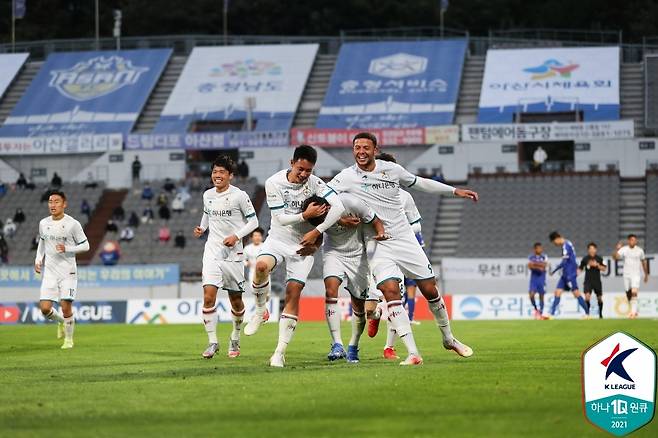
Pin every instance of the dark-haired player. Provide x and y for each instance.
(291, 238)
(377, 183)
(569, 267)
(229, 216)
(593, 264)
(634, 263)
(60, 238)
(537, 263)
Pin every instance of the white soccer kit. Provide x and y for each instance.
(251, 253)
(59, 270)
(224, 214)
(410, 210)
(633, 259)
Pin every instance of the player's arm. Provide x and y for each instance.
(336, 210)
(202, 227)
(600, 265)
(41, 252)
(430, 186)
(616, 255)
(249, 214)
(645, 268)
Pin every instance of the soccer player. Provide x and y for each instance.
(377, 183)
(537, 263)
(634, 263)
(229, 216)
(569, 267)
(593, 264)
(60, 238)
(251, 252)
(291, 238)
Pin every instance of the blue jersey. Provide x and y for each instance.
(569, 264)
(538, 274)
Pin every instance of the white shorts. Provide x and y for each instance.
(55, 287)
(297, 267)
(354, 269)
(632, 282)
(396, 258)
(224, 274)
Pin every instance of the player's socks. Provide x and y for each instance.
(69, 327)
(541, 305)
(54, 315)
(237, 318)
(556, 302)
(391, 336)
(634, 305)
(210, 323)
(438, 309)
(287, 324)
(411, 308)
(400, 322)
(261, 293)
(332, 314)
(583, 304)
(600, 309)
(358, 324)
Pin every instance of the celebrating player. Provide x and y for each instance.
(229, 216)
(377, 183)
(593, 264)
(60, 238)
(291, 238)
(537, 263)
(251, 252)
(569, 267)
(634, 263)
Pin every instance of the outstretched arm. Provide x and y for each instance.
(430, 186)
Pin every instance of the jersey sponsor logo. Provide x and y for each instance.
(219, 213)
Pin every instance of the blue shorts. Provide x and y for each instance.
(409, 282)
(567, 283)
(537, 285)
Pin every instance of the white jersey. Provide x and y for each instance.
(348, 242)
(410, 209)
(380, 190)
(251, 252)
(282, 195)
(67, 231)
(632, 258)
(224, 214)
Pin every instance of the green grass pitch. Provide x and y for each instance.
(121, 380)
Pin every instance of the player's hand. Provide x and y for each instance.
(307, 250)
(382, 236)
(314, 210)
(310, 237)
(231, 240)
(60, 248)
(469, 194)
(37, 267)
(198, 232)
(349, 221)
(619, 245)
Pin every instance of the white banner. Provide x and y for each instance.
(72, 144)
(516, 132)
(10, 64)
(515, 306)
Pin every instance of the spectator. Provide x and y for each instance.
(177, 205)
(19, 216)
(119, 214)
(147, 192)
(195, 184)
(3, 189)
(169, 185)
(56, 182)
(85, 208)
(35, 242)
(184, 193)
(9, 229)
(164, 213)
(45, 195)
(147, 215)
(137, 168)
(164, 234)
(111, 227)
(21, 182)
(180, 241)
(30, 185)
(110, 253)
(127, 234)
(4, 250)
(243, 170)
(163, 199)
(133, 220)
(538, 158)
(90, 184)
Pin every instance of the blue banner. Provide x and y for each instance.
(93, 312)
(87, 93)
(394, 85)
(210, 140)
(98, 276)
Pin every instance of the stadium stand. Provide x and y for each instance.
(311, 101)
(632, 208)
(18, 87)
(469, 91)
(652, 213)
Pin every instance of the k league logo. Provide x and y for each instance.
(398, 66)
(619, 384)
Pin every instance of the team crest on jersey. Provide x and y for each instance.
(306, 191)
(96, 77)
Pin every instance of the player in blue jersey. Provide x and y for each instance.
(537, 263)
(569, 267)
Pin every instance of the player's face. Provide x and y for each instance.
(256, 238)
(632, 241)
(56, 205)
(364, 152)
(221, 178)
(558, 241)
(539, 249)
(300, 170)
(591, 251)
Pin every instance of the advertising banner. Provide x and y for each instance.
(73, 144)
(209, 140)
(94, 312)
(313, 308)
(10, 65)
(517, 132)
(217, 83)
(86, 93)
(550, 80)
(394, 85)
(385, 137)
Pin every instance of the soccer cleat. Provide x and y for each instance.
(60, 330)
(586, 317)
(414, 322)
(353, 354)
(461, 349)
(337, 352)
(68, 343)
(632, 315)
(277, 360)
(390, 354)
(210, 351)
(373, 327)
(537, 315)
(234, 348)
(547, 317)
(255, 322)
(412, 359)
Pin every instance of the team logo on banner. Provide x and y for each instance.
(619, 384)
(95, 77)
(399, 65)
(551, 68)
(245, 68)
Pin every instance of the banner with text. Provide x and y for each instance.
(10, 65)
(219, 83)
(386, 137)
(517, 132)
(86, 93)
(73, 144)
(209, 140)
(394, 85)
(84, 312)
(550, 80)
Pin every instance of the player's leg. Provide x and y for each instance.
(578, 296)
(332, 315)
(410, 286)
(237, 316)
(599, 299)
(531, 295)
(261, 286)
(561, 286)
(358, 282)
(635, 288)
(373, 308)
(399, 319)
(68, 288)
(209, 313)
(587, 292)
(358, 325)
(49, 294)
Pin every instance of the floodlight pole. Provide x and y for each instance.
(97, 17)
(225, 22)
(13, 26)
(443, 11)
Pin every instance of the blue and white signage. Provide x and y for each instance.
(206, 140)
(394, 85)
(10, 65)
(86, 93)
(217, 83)
(550, 80)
